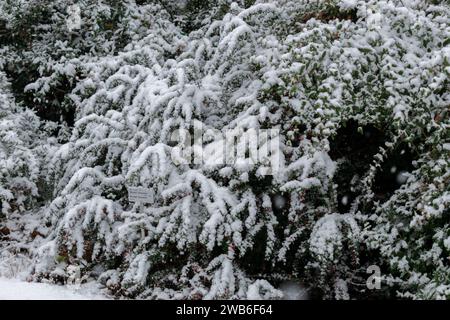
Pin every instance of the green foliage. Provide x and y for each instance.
(358, 91)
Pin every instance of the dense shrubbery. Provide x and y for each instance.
(359, 91)
(19, 163)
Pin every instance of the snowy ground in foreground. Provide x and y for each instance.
(11, 289)
(14, 289)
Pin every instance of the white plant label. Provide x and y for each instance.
(140, 194)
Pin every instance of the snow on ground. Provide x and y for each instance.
(12, 289)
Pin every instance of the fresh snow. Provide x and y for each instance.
(264, 131)
(13, 289)
(294, 291)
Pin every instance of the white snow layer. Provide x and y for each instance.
(12, 289)
(293, 290)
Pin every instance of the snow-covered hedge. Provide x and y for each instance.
(317, 72)
(19, 164)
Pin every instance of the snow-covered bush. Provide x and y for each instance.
(48, 43)
(333, 245)
(354, 93)
(411, 229)
(19, 165)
